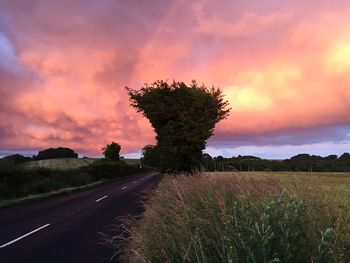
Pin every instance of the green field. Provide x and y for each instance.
(68, 163)
(245, 217)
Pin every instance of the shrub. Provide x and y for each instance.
(226, 219)
(107, 169)
(53, 153)
(17, 181)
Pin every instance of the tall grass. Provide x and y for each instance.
(222, 218)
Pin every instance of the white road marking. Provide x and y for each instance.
(98, 200)
(124, 187)
(21, 237)
(135, 182)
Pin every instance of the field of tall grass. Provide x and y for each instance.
(242, 217)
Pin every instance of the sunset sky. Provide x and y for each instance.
(284, 66)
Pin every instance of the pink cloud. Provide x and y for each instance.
(249, 24)
(283, 67)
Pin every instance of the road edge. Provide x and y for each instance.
(63, 191)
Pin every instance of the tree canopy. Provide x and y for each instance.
(183, 117)
(111, 151)
(53, 153)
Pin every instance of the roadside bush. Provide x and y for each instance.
(7, 167)
(227, 219)
(18, 181)
(107, 169)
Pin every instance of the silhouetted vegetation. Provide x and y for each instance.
(107, 169)
(111, 151)
(298, 163)
(16, 159)
(150, 156)
(53, 153)
(183, 117)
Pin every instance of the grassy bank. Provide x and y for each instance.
(19, 181)
(249, 217)
(60, 163)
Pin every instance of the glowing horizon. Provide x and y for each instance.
(284, 67)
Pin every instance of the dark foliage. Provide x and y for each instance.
(17, 181)
(106, 169)
(16, 158)
(345, 157)
(298, 163)
(183, 117)
(53, 153)
(111, 151)
(150, 156)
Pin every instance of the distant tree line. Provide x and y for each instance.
(298, 163)
(110, 151)
(15, 158)
(51, 153)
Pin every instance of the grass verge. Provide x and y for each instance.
(251, 217)
(17, 182)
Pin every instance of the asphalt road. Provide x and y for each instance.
(66, 228)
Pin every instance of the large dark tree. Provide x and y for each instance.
(183, 117)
